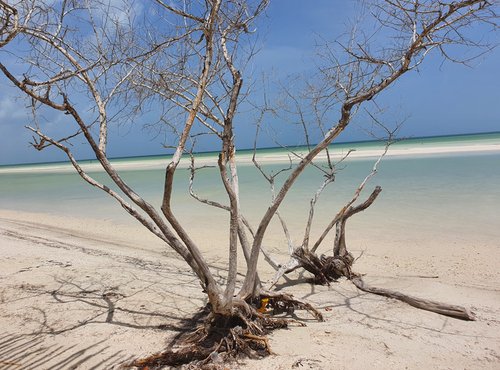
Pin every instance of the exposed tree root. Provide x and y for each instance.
(457, 312)
(324, 268)
(330, 268)
(282, 302)
(224, 338)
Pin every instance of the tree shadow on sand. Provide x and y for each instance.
(66, 324)
(30, 353)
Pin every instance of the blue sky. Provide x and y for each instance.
(439, 99)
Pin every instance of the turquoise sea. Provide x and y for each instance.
(450, 193)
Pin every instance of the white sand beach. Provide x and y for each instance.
(97, 299)
(466, 147)
(79, 292)
(177, 178)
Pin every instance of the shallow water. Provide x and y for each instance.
(435, 194)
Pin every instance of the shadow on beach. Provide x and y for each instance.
(87, 325)
(67, 302)
(30, 352)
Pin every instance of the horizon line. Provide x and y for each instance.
(259, 148)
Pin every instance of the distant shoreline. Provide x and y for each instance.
(412, 147)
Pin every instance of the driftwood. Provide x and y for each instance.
(326, 269)
(457, 312)
(330, 268)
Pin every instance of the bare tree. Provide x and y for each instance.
(354, 72)
(187, 60)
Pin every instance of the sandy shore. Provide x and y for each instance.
(94, 299)
(359, 153)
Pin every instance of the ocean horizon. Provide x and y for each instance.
(441, 140)
(453, 190)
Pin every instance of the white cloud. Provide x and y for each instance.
(11, 109)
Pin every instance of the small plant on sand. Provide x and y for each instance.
(181, 64)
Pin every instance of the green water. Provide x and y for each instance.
(420, 142)
(457, 192)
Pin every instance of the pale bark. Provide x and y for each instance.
(9, 28)
(413, 53)
(204, 83)
(457, 312)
